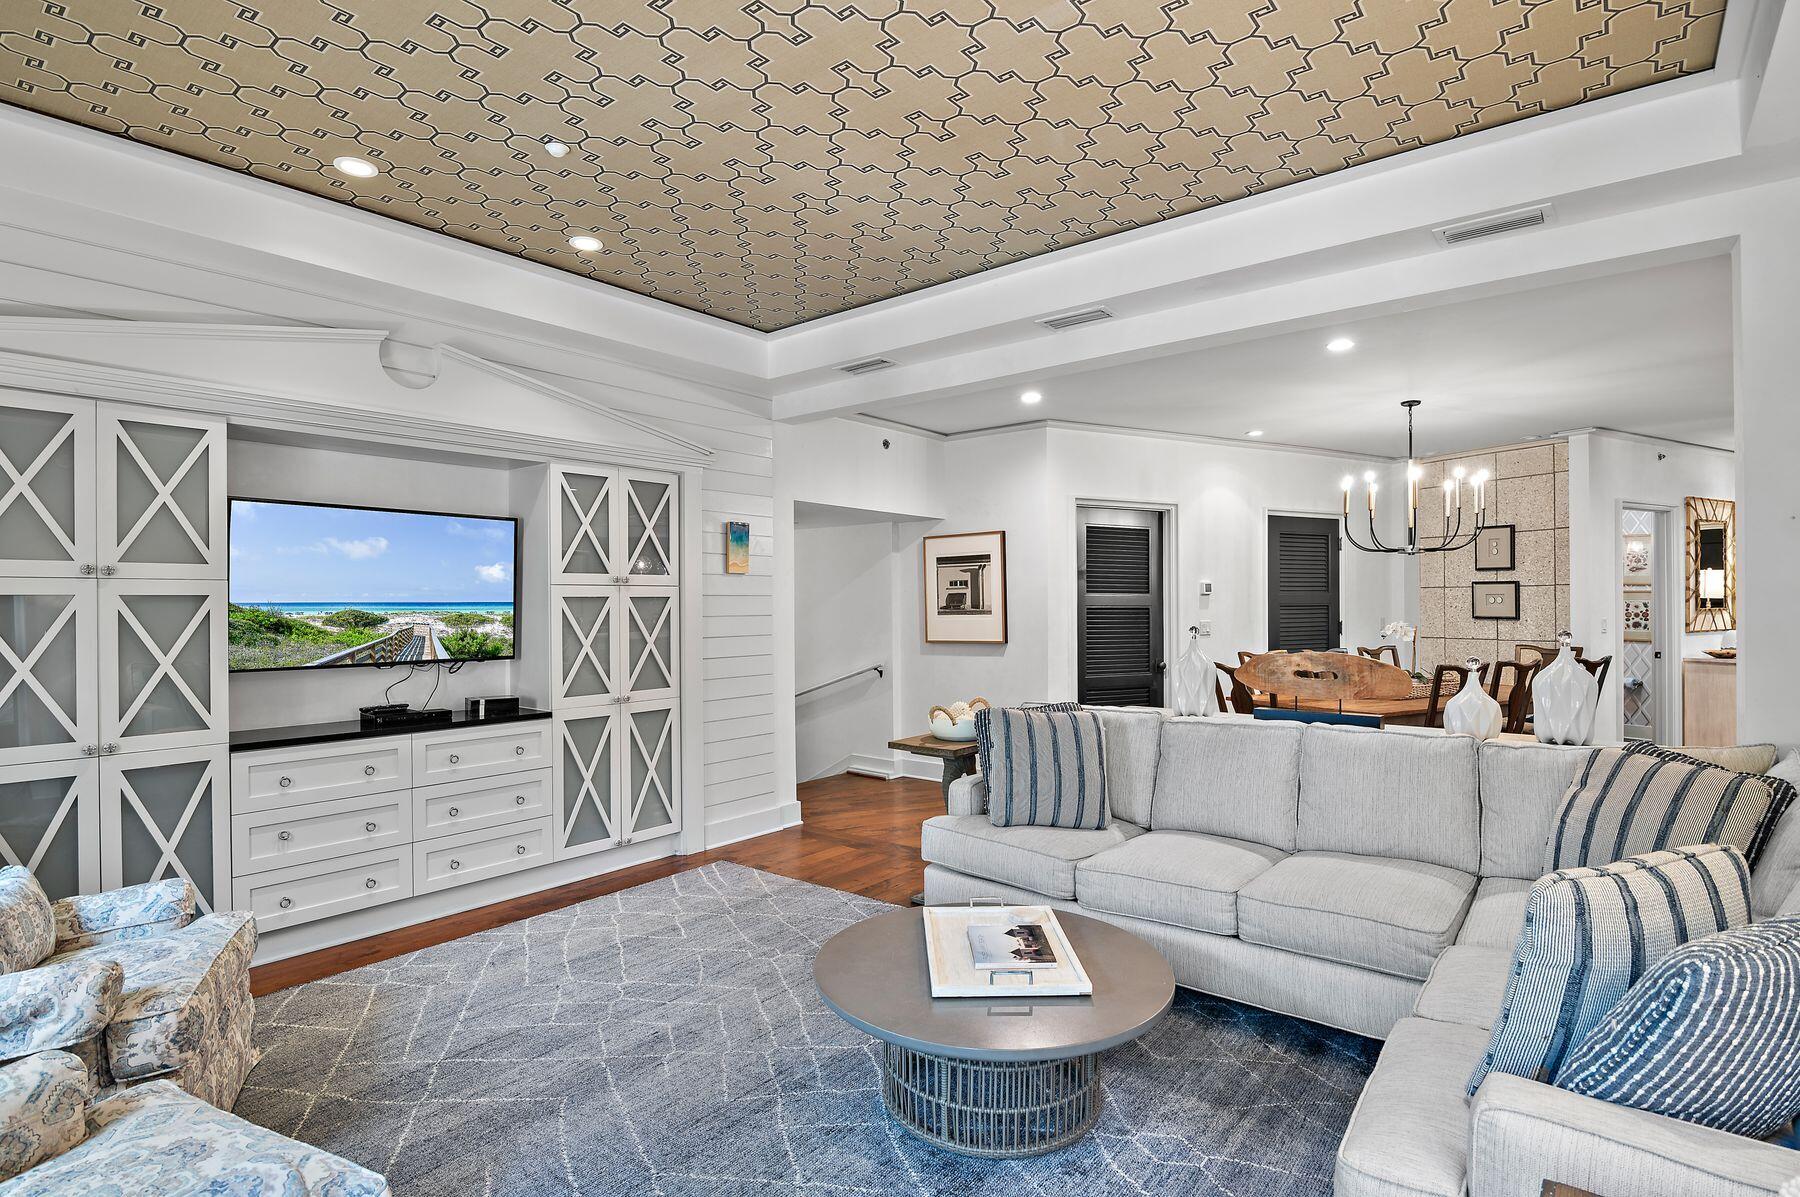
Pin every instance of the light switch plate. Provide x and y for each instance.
(1205, 627)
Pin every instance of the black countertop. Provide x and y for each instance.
(354, 729)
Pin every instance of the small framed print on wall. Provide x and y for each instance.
(737, 547)
(1494, 600)
(965, 588)
(1494, 548)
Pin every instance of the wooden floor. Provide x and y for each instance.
(860, 834)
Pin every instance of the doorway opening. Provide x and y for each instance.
(1120, 649)
(1643, 542)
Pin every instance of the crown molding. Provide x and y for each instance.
(1197, 438)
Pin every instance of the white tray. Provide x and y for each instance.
(953, 971)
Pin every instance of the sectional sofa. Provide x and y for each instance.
(1368, 880)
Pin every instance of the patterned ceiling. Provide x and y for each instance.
(775, 161)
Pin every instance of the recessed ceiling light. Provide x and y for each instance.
(356, 168)
(1340, 345)
(1254, 432)
(555, 148)
(585, 243)
(1031, 397)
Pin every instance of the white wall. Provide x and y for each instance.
(1608, 472)
(844, 584)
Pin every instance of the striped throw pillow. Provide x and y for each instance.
(1044, 767)
(1626, 801)
(1711, 1034)
(1589, 934)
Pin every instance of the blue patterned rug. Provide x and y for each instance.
(668, 1039)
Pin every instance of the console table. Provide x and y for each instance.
(958, 756)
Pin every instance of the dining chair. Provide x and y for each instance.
(1434, 708)
(1380, 651)
(1273, 699)
(1598, 668)
(1518, 701)
(1242, 701)
(1539, 654)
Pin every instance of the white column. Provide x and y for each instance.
(1767, 375)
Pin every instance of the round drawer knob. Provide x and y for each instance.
(370, 826)
(454, 758)
(456, 864)
(286, 782)
(454, 812)
(519, 751)
(520, 850)
(519, 801)
(368, 770)
(286, 902)
(285, 836)
(371, 883)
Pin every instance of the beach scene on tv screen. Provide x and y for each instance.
(315, 587)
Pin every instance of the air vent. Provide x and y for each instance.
(867, 366)
(1489, 226)
(1075, 319)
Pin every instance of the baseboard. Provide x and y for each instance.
(923, 768)
(869, 764)
(749, 826)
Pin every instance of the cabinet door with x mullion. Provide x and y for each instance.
(161, 508)
(166, 814)
(48, 672)
(50, 823)
(649, 770)
(46, 486)
(649, 653)
(584, 648)
(586, 780)
(584, 514)
(163, 671)
(648, 528)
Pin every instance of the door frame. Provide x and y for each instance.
(1261, 551)
(1666, 581)
(1171, 583)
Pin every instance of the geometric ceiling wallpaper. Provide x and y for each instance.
(773, 161)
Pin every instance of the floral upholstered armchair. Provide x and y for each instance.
(130, 982)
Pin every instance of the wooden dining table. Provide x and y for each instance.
(1405, 712)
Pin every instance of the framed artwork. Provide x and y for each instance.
(737, 547)
(1494, 548)
(1494, 600)
(965, 588)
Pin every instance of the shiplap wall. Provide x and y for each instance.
(40, 276)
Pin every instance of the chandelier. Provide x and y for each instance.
(1452, 536)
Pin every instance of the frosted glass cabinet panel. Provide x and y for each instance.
(582, 514)
(651, 644)
(651, 509)
(166, 814)
(583, 654)
(47, 670)
(46, 486)
(586, 782)
(50, 824)
(161, 505)
(163, 670)
(649, 775)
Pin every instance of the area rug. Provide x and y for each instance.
(668, 1039)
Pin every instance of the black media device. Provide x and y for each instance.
(493, 706)
(399, 714)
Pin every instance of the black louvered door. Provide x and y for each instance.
(1119, 606)
(1303, 583)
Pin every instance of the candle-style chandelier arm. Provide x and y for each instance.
(1357, 544)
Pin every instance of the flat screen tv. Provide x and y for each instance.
(322, 586)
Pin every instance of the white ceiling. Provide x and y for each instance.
(1648, 351)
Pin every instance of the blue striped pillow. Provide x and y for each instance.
(1044, 767)
(1711, 1035)
(1589, 934)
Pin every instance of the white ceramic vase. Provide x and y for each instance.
(1473, 712)
(1195, 691)
(1564, 699)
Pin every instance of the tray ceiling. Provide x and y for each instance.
(776, 161)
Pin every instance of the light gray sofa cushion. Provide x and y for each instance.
(1522, 786)
(1466, 986)
(1409, 1135)
(1041, 859)
(1777, 872)
(1236, 779)
(1496, 915)
(1176, 877)
(1394, 916)
(1132, 739)
(1374, 793)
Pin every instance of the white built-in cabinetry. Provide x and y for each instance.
(112, 645)
(615, 666)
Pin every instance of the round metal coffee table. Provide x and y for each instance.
(997, 1077)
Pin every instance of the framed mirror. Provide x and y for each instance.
(1711, 565)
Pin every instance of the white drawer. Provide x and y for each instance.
(277, 838)
(285, 777)
(472, 855)
(315, 891)
(485, 802)
(480, 752)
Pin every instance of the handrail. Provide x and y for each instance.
(874, 669)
